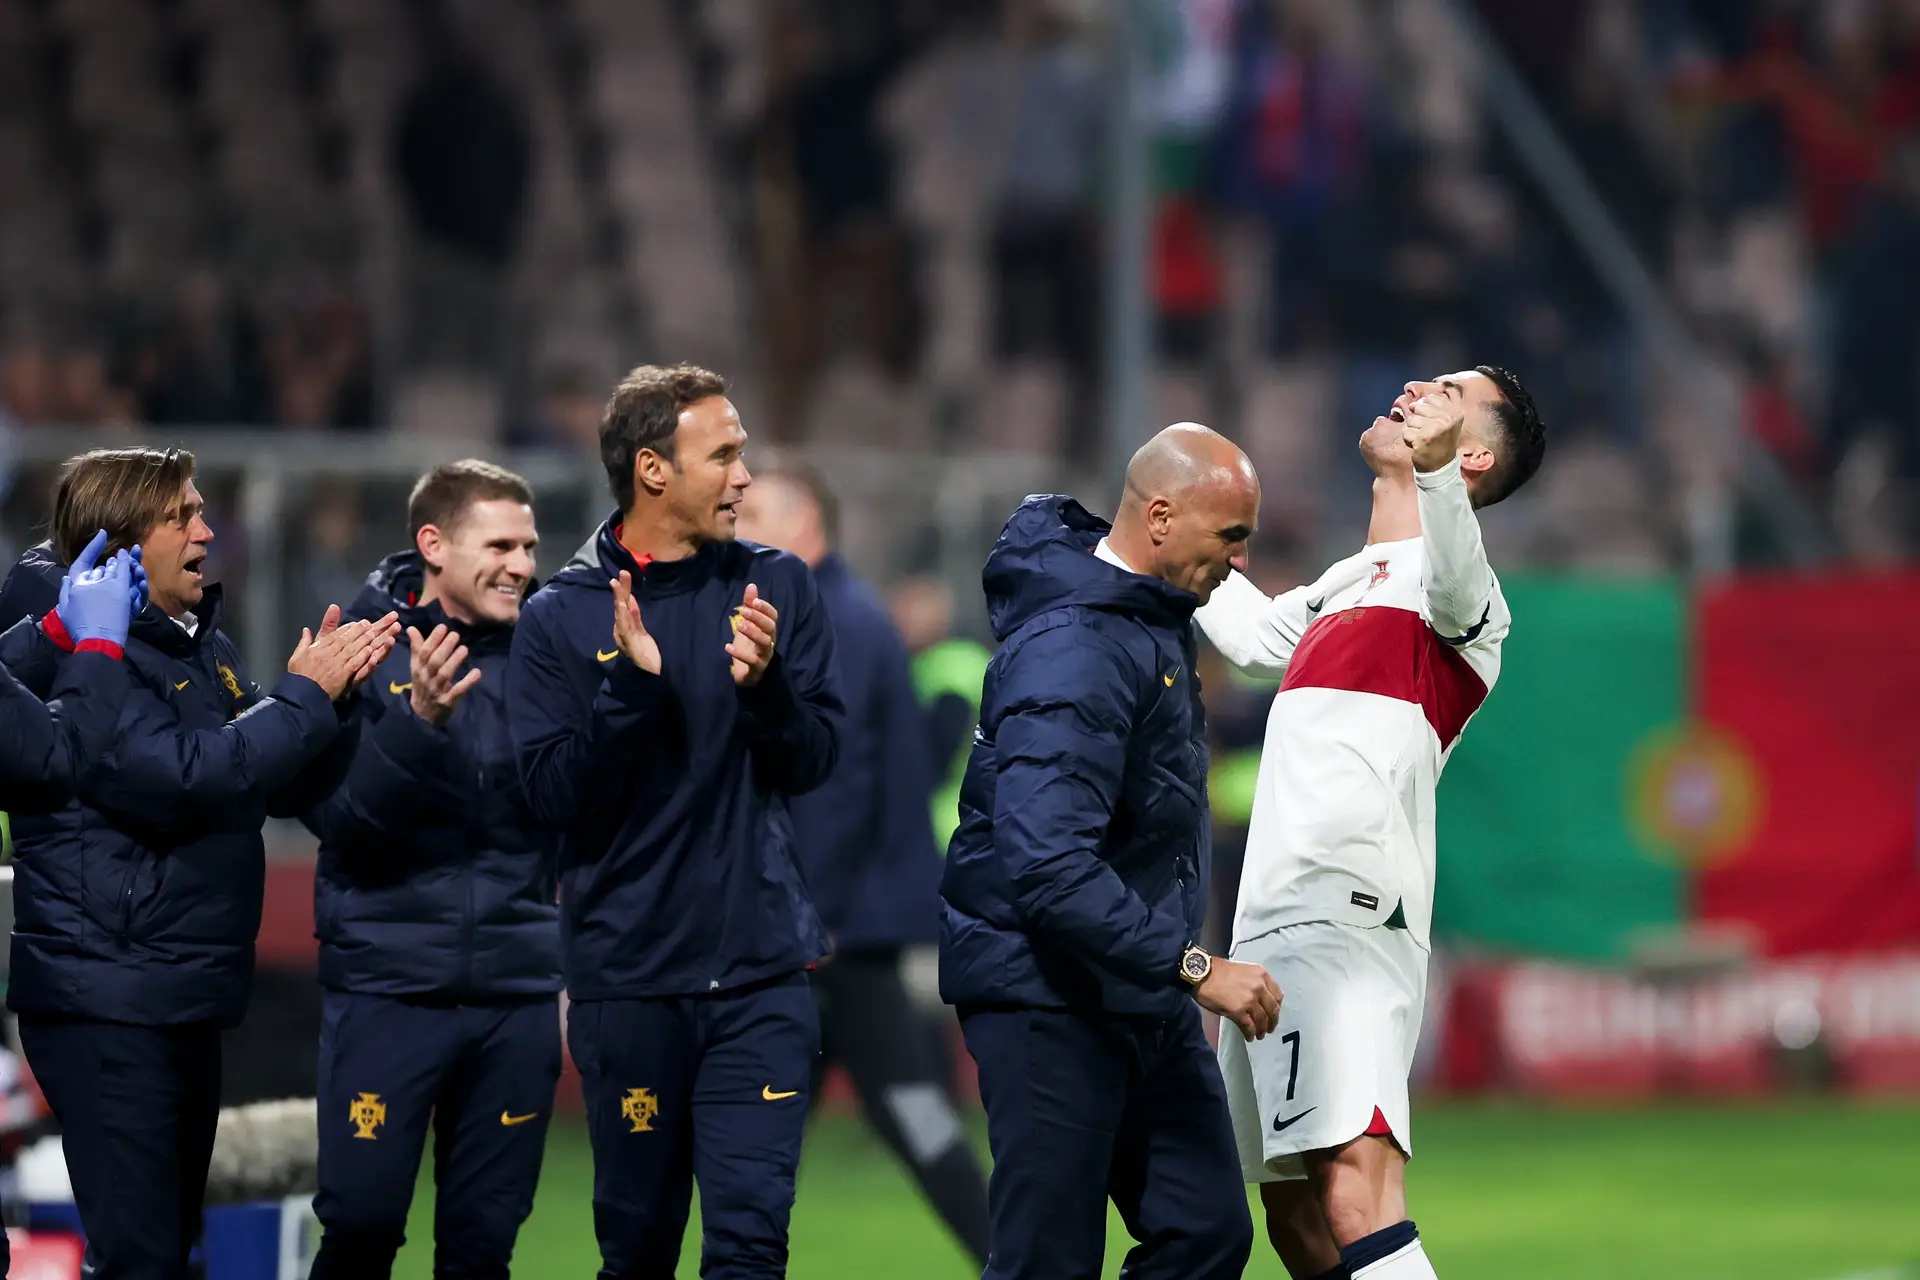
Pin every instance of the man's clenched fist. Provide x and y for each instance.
(1432, 430)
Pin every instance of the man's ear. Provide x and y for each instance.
(432, 545)
(1475, 458)
(1159, 519)
(650, 472)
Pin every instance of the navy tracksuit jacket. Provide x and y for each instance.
(686, 921)
(1076, 879)
(865, 837)
(45, 747)
(434, 903)
(136, 907)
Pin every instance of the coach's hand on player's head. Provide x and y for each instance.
(756, 624)
(629, 633)
(1244, 993)
(434, 664)
(341, 657)
(1431, 427)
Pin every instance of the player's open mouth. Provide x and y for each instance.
(193, 567)
(1394, 415)
(731, 510)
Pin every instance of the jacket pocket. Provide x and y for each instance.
(136, 892)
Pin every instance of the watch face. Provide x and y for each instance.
(1196, 964)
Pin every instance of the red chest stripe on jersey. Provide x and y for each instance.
(1393, 653)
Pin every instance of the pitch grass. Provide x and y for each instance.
(1795, 1191)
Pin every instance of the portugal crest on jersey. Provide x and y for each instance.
(1380, 573)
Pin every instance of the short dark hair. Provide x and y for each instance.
(124, 491)
(1523, 438)
(644, 412)
(807, 478)
(443, 495)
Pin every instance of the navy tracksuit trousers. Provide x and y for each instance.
(708, 1088)
(484, 1074)
(137, 1108)
(1080, 1110)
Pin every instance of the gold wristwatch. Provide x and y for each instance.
(1195, 964)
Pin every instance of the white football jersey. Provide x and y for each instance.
(1385, 659)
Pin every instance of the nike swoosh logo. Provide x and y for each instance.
(605, 655)
(513, 1120)
(766, 1091)
(1168, 680)
(393, 687)
(1281, 1126)
(183, 684)
(1314, 606)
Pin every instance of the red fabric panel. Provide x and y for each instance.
(1393, 653)
(1818, 681)
(56, 629)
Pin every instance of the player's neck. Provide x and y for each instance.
(655, 535)
(430, 591)
(1396, 510)
(1126, 541)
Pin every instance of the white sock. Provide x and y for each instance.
(1406, 1263)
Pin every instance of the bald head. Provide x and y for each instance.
(1192, 500)
(1185, 456)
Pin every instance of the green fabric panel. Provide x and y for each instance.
(954, 666)
(1535, 849)
(1231, 776)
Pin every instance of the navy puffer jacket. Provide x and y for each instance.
(139, 900)
(1079, 872)
(434, 878)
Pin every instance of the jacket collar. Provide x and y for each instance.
(1045, 558)
(395, 585)
(601, 558)
(154, 627)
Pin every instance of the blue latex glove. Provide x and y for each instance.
(82, 563)
(98, 602)
(137, 580)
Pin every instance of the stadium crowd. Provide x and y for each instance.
(1330, 208)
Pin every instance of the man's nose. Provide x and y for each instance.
(741, 476)
(1238, 560)
(202, 531)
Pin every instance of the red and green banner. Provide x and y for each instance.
(1743, 761)
(1817, 684)
(1537, 854)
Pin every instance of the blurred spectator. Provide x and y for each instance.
(1045, 274)
(1601, 130)
(839, 263)
(204, 366)
(87, 397)
(319, 357)
(330, 555)
(463, 155)
(1293, 151)
(464, 159)
(568, 414)
(27, 386)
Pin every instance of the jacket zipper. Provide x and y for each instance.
(646, 603)
(126, 898)
(467, 924)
